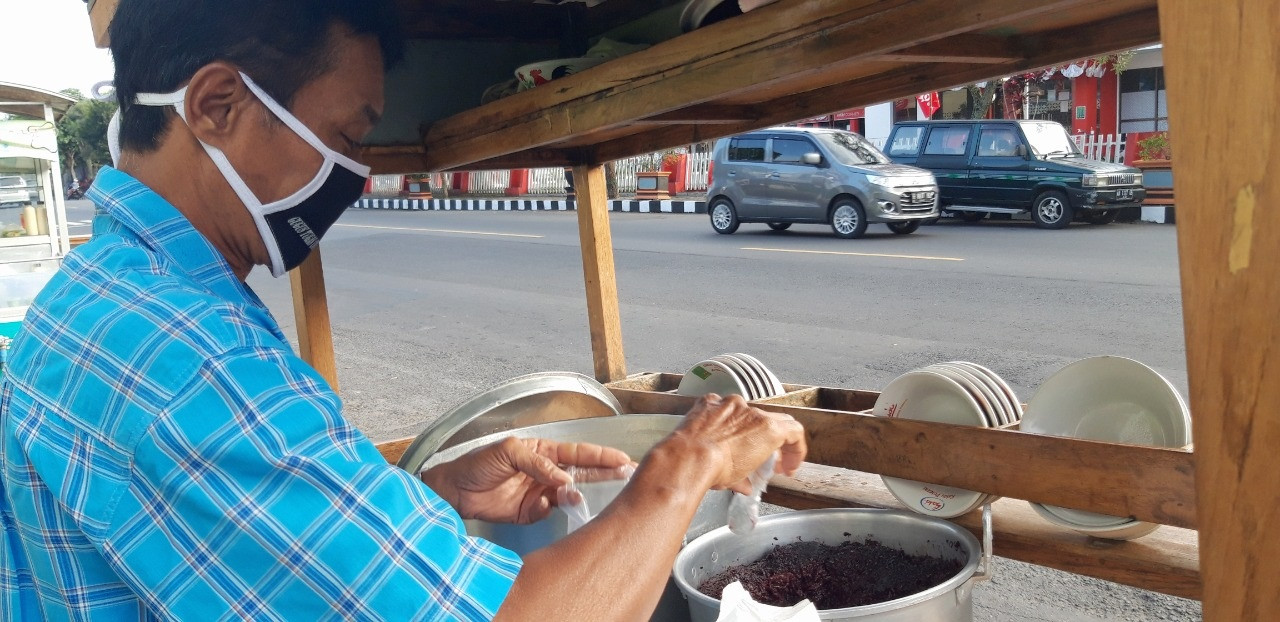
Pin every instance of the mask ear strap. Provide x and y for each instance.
(302, 130)
(113, 138)
(162, 99)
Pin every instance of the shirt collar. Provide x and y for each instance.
(127, 205)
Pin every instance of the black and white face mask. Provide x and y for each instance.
(292, 226)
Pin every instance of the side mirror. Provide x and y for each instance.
(811, 158)
(1021, 151)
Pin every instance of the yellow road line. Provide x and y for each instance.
(788, 250)
(458, 231)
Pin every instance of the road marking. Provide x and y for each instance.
(788, 250)
(458, 231)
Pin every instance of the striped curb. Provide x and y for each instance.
(517, 205)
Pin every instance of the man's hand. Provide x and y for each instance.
(515, 480)
(740, 438)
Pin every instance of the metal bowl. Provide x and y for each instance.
(950, 601)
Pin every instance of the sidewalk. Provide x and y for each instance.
(683, 204)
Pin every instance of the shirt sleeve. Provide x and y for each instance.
(251, 497)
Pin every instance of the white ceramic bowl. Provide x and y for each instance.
(1128, 530)
(711, 377)
(1113, 399)
(925, 395)
(542, 72)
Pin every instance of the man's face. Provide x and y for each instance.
(341, 107)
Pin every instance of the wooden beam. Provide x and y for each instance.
(964, 48)
(311, 315)
(723, 59)
(395, 159)
(100, 14)
(484, 20)
(1164, 561)
(597, 267)
(706, 113)
(1123, 32)
(1150, 484)
(1217, 55)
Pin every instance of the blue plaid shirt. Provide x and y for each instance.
(166, 456)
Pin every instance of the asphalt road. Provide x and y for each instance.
(428, 308)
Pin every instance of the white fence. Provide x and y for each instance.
(489, 183)
(697, 176)
(547, 181)
(1105, 147)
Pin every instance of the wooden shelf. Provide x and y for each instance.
(1148, 483)
(786, 61)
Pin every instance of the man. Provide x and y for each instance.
(165, 454)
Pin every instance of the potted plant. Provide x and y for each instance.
(656, 184)
(1154, 151)
(419, 185)
(1155, 158)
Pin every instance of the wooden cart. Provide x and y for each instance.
(800, 58)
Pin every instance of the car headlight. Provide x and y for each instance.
(1093, 181)
(878, 180)
(1137, 178)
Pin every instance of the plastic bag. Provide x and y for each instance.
(590, 487)
(736, 605)
(744, 511)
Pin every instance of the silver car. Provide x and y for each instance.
(788, 175)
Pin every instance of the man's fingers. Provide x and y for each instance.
(794, 445)
(541, 468)
(583, 454)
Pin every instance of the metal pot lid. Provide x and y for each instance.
(516, 403)
(696, 12)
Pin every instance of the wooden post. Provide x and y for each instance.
(597, 267)
(1224, 106)
(311, 314)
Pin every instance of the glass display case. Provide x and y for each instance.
(33, 221)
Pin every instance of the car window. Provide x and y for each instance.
(851, 149)
(998, 142)
(906, 142)
(791, 150)
(12, 182)
(948, 141)
(746, 150)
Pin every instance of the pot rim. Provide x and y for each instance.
(964, 576)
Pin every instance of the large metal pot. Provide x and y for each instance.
(951, 601)
(634, 434)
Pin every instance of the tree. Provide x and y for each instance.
(981, 96)
(82, 132)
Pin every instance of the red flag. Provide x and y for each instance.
(929, 104)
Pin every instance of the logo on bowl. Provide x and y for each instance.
(896, 409)
(932, 504)
(940, 495)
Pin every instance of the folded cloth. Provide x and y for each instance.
(736, 605)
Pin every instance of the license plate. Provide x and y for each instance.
(1124, 195)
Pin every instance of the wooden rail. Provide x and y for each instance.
(848, 450)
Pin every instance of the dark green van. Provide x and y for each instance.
(1009, 167)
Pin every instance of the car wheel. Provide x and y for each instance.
(972, 216)
(1105, 217)
(848, 219)
(904, 228)
(724, 219)
(1051, 210)
(779, 226)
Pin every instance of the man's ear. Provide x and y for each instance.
(217, 101)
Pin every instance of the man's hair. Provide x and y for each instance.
(158, 45)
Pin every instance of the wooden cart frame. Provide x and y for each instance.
(800, 58)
